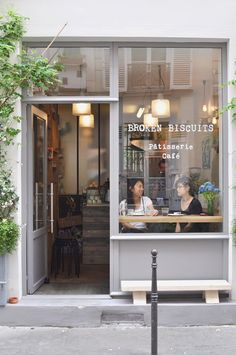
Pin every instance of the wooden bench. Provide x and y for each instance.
(210, 288)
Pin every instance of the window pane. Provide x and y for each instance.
(170, 140)
(86, 71)
(39, 128)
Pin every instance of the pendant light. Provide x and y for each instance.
(214, 120)
(140, 111)
(204, 106)
(161, 106)
(86, 121)
(141, 108)
(149, 120)
(83, 111)
(81, 108)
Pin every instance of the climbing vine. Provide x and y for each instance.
(231, 106)
(18, 70)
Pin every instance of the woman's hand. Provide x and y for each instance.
(151, 211)
(154, 212)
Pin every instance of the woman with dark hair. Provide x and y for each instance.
(136, 204)
(188, 205)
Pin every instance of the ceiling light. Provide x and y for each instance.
(86, 121)
(161, 107)
(204, 106)
(214, 120)
(81, 108)
(140, 111)
(149, 120)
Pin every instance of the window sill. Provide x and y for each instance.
(169, 236)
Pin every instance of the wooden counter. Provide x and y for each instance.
(172, 219)
(96, 234)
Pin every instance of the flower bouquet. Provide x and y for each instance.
(209, 192)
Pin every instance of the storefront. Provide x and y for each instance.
(130, 180)
(171, 155)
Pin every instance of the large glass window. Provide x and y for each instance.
(170, 176)
(86, 71)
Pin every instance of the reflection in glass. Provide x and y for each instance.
(183, 143)
(86, 71)
(39, 126)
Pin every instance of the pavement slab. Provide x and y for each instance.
(117, 339)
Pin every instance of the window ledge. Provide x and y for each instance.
(169, 236)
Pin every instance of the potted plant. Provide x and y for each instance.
(9, 230)
(209, 192)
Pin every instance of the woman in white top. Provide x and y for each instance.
(137, 204)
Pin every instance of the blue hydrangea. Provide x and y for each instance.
(208, 190)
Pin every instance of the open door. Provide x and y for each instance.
(37, 199)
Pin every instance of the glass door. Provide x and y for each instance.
(37, 203)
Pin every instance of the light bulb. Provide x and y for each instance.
(140, 111)
(161, 107)
(86, 121)
(214, 120)
(81, 108)
(149, 120)
(204, 108)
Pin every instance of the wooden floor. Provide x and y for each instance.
(94, 279)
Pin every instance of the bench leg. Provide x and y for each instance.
(139, 297)
(211, 296)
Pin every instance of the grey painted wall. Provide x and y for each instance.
(177, 259)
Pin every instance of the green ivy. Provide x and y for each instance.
(231, 106)
(17, 72)
(9, 233)
(8, 196)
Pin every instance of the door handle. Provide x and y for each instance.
(51, 203)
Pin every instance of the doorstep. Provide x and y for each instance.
(96, 310)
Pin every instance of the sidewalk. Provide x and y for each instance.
(117, 340)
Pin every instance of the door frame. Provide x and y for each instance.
(27, 168)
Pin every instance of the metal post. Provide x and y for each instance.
(154, 299)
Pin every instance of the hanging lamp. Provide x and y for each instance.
(81, 108)
(160, 106)
(149, 120)
(86, 121)
(83, 111)
(204, 106)
(140, 111)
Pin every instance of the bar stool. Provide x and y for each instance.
(66, 253)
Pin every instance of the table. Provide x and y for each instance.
(172, 219)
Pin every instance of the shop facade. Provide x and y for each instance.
(119, 75)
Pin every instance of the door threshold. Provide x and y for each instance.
(63, 296)
(71, 301)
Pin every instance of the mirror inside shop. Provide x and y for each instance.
(78, 198)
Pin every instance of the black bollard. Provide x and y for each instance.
(154, 300)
